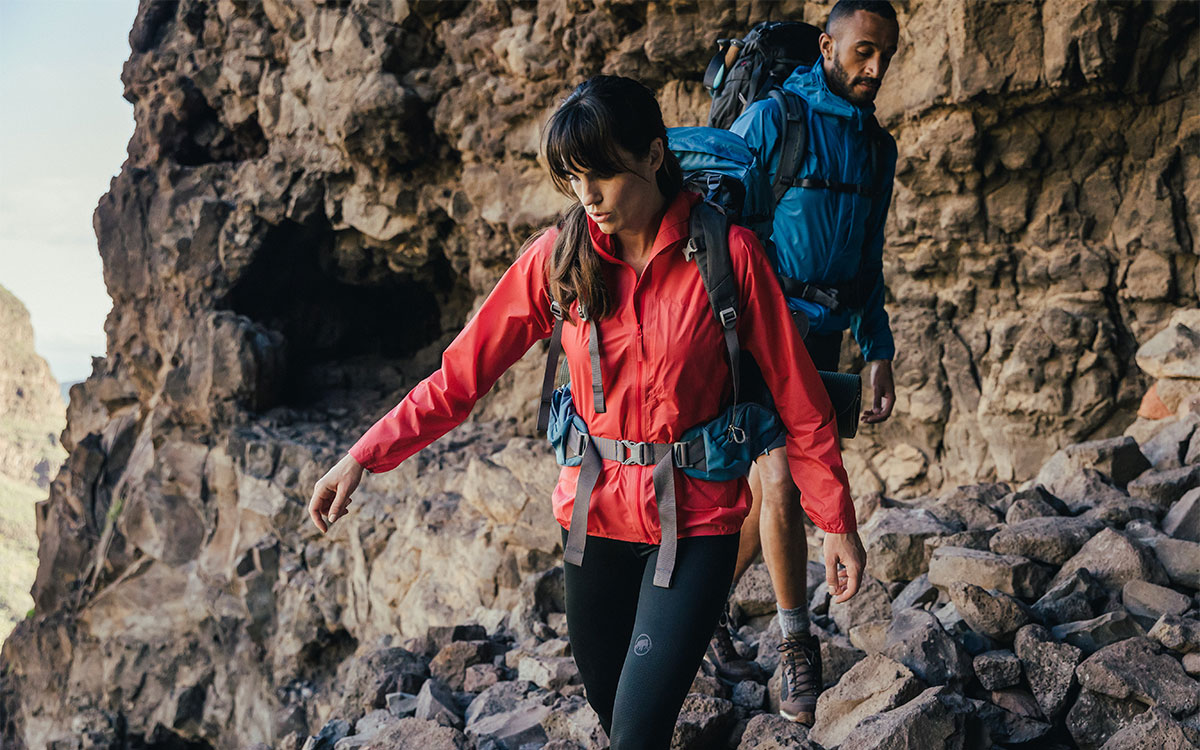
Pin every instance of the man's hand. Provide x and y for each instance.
(331, 495)
(845, 550)
(883, 391)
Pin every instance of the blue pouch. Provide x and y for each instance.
(562, 416)
(733, 440)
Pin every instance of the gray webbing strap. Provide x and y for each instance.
(597, 381)
(664, 495)
(543, 418)
(664, 457)
(589, 473)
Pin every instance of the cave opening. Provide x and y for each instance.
(293, 286)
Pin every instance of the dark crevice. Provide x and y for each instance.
(194, 135)
(293, 287)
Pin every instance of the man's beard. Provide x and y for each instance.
(841, 84)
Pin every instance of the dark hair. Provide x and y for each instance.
(602, 114)
(847, 8)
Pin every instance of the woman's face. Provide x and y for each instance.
(626, 201)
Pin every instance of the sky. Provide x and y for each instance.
(63, 131)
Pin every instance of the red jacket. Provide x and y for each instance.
(665, 370)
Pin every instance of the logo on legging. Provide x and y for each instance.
(642, 645)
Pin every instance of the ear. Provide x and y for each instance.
(826, 43)
(657, 154)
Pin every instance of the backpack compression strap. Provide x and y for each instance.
(709, 245)
(795, 137)
(552, 354)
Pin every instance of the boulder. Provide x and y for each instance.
(451, 662)
(366, 680)
(1183, 518)
(502, 698)
(1173, 352)
(937, 718)
(1088, 489)
(513, 729)
(750, 695)
(1162, 488)
(1095, 717)
(1075, 597)
(1027, 506)
(435, 702)
(1169, 445)
(1008, 728)
(992, 613)
(702, 723)
(917, 592)
(774, 732)
(838, 655)
(1049, 666)
(1051, 540)
(1113, 559)
(1118, 458)
(1147, 602)
(480, 677)
(997, 670)
(401, 705)
(1191, 664)
(1180, 634)
(753, 595)
(971, 539)
(869, 604)
(917, 640)
(968, 506)
(1178, 557)
(549, 672)
(418, 734)
(1094, 634)
(894, 539)
(1011, 574)
(875, 684)
(869, 637)
(1154, 729)
(573, 720)
(1134, 669)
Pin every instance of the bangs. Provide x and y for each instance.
(582, 140)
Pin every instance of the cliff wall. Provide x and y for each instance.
(318, 193)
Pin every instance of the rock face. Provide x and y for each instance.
(316, 196)
(32, 415)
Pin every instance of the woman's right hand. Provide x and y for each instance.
(332, 493)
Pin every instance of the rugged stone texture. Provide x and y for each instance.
(1113, 560)
(1135, 669)
(917, 640)
(1049, 666)
(1181, 634)
(1147, 602)
(1048, 540)
(895, 542)
(935, 718)
(703, 721)
(1183, 519)
(1095, 717)
(869, 604)
(1094, 634)
(299, 168)
(1119, 459)
(1154, 728)
(875, 684)
(773, 732)
(1074, 597)
(992, 613)
(1011, 574)
(997, 670)
(33, 416)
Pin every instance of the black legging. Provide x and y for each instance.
(638, 646)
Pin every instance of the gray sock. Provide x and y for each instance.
(793, 621)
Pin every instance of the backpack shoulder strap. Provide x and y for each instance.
(552, 355)
(795, 136)
(708, 245)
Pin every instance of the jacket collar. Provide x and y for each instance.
(674, 228)
(810, 82)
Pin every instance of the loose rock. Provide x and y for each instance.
(1147, 602)
(1011, 574)
(917, 640)
(1049, 667)
(1092, 635)
(875, 684)
(1154, 729)
(1113, 560)
(1135, 669)
(1183, 519)
(1049, 540)
(997, 669)
(992, 613)
(895, 538)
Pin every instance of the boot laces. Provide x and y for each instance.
(799, 665)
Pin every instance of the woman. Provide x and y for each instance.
(616, 263)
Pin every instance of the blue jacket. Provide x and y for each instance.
(819, 234)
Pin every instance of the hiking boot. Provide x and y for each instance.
(801, 678)
(725, 659)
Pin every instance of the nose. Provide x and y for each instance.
(588, 191)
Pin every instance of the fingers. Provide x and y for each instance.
(852, 579)
(340, 501)
(318, 504)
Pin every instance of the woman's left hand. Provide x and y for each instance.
(883, 392)
(847, 551)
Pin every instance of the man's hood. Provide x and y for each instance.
(810, 83)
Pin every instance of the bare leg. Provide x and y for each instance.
(750, 545)
(781, 527)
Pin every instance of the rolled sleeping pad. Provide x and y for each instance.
(845, 391)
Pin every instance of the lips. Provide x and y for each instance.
(599, 218)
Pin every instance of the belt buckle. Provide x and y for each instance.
(630, 458)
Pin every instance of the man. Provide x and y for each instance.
(828, 236)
